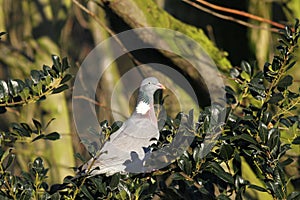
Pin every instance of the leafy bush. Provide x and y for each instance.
(260, 108)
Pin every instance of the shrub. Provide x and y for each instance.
(261, 106)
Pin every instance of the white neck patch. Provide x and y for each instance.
(142, 107)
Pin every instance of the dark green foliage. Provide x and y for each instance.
(40, 84)
(29, 185)
(260, 108)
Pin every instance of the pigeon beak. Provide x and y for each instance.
(161, 86)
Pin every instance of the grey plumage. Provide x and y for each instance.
(124, 151)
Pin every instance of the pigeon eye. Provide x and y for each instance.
(149, 83)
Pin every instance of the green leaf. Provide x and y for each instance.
(80, 157)
(20, 130)
(275, 98)
(230, 95)
(12, 87)
(246, 67)
(2, 109)
(60, 89)
(223, 197)
(234, 73)
(26, 127)
(294, 196)
(114, 181)
(185, 165)
(38, 137)
(273, 140)
(37, 125)
(226, 151)
(296, 140)
(36, 76)
(86, 192)
(24, 94)
(65, 64)
(286, 162)
(1, 34)
(57, 66)
(115, 126)
(10, 160)
(263, 132)
(3, 91)
(66, 78)
(245, 137)
(285, 81)
(52, 136)
(215, 168)
(245, 76)
(291, 65)
(256, 187)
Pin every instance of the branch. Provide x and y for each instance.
(210, 11)
(241, 13)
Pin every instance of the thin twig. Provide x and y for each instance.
(247, 24)
(240, 13)
(99, 104)
(111, 32)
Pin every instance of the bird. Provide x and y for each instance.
(125, 150)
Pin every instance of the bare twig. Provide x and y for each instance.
(110, 31)
(99, 104)
(247, 24)
(241, 13)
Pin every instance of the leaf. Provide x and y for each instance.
(246, 67)
(10, 160)
(65, 64)
(26, 127)
(52, 136)
(256, 187)
(215, 168)
(263, 132)
(285, 81)
(114, 181)
(286, 162)
(20, 130)
(223, 197)
(273, 141)
(37, 125)
(275, 98)
(36, 76)
(2, 109)
(66, 78)
(24, 94)
(60, 89)
(3, 90)
(294, 196)
(115, 126)
(245, 137)
(1, 34)
(296, 140)
(230, 95)
(185, 165)
(80, 157)
(56, 64)
(12, 87)
(38, 137)
(226, 152)
(291, 65)
(86, 192)
(49, 122)
(234, 73)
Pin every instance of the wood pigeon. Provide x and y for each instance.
(125, 150)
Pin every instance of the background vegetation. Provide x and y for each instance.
(258, 154)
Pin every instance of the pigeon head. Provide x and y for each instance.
(146, 92)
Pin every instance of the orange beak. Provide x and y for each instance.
(161, 86)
